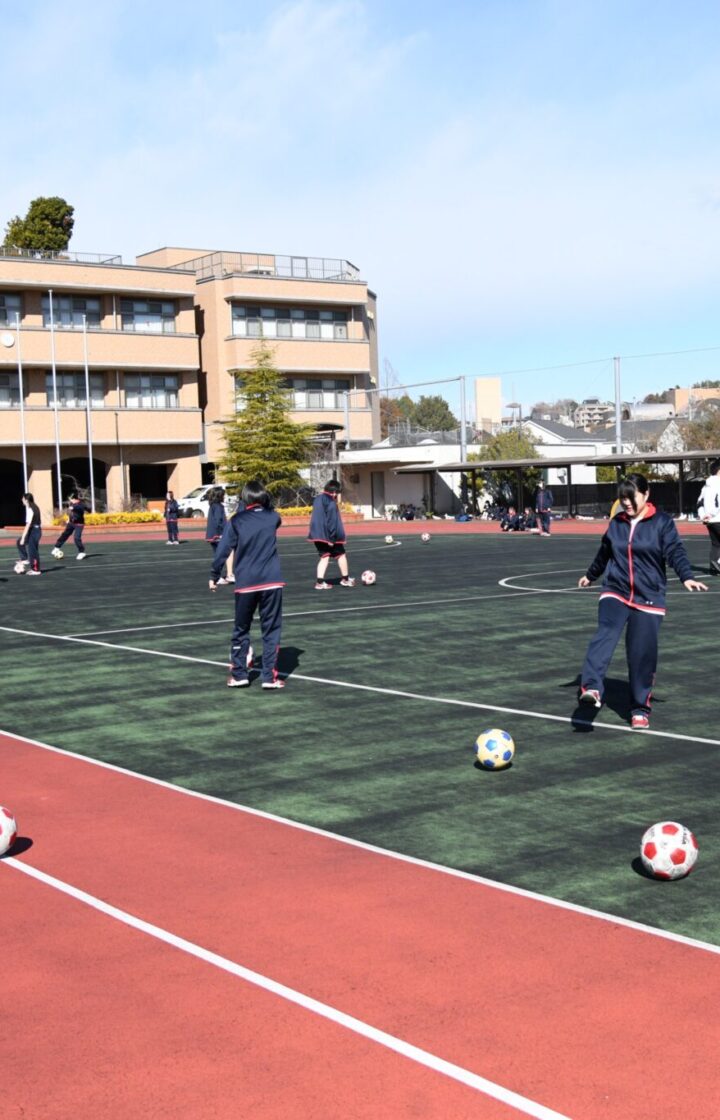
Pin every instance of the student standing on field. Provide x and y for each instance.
(171, 515)
(74, 527)
(28, 543)
(709, 514)
(639, 542)
(252, 535)
(328, 535)
(543, 505)
(216, 522)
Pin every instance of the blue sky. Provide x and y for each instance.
(524, 184)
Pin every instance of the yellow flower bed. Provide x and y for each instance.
(139, 518)
(305, 511)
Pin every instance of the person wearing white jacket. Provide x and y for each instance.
(709, 514)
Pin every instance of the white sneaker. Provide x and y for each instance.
(274, 684)
(232, 683)
(221, 582)
(81, 556)
(250, 657)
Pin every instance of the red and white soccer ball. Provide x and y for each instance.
(668, 850)
(8, 830)
(389, 539)
(368, 577)
(424, 536)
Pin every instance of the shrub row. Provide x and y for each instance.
(138, 518)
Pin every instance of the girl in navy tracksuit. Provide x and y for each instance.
(75, 525)
(640, 540)
(252, 535)
(328, 535)
(216, 522)
(171, 514)
(28, 543)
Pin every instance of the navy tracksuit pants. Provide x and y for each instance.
(641, 647)
(74, 531)
(30, 551)
(269, 606)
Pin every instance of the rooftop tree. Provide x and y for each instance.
(47, 226)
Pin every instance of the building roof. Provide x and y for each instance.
(570, 435)
(591, 460)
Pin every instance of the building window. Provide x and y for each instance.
(148, 315)
(71, 390)
(9, 309)
(9, 390)
(151, 390)
(313, 393)
(288, 322)
(68, 312)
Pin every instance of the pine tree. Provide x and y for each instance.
(261, 441)
(47, 226)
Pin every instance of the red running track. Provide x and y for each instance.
(589, 1017)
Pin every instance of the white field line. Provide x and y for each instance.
(387, 853)
(509, 585)
(302, 614)
(423, 697)
(324, 1010)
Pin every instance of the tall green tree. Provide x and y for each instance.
(512, 444)
(48, 226)
(433, 413)
(261, 441)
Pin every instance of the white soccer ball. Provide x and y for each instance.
(57, 553)
(8, 830)
(668, 850)
(389, 539)
(19, 568)
(368, 577)
(494, 748)
(424, 536)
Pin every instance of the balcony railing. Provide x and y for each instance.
(218, 265)
(59, 255)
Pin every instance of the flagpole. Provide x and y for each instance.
(88, 415)
(55, 401)
(22, 402)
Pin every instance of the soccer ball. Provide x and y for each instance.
(668, 850)
(58, 553)
(494, 748)
(8, 830)
(424, 536)
(368, 577)
(388, 539)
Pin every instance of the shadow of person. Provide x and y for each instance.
(616, 697)
(289, 660)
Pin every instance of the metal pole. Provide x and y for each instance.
(618, 409)
(55, 400)
(463, 428)
(88, 415)
(22, 402)
(347, 419)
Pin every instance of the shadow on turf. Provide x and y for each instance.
(616, 698)
(639, 868)
(21, 845)
(289, 660)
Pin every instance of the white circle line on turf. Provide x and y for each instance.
(423, 697)
(388, 853)
(511, 586)
(302, 614)
(300, 999)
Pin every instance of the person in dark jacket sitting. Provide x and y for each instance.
(251, 537)
(511, 523)
(639, 542)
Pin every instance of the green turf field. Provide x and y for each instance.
(564, 820)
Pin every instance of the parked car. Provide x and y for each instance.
(196, 504)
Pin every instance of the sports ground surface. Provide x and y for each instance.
(121, 659)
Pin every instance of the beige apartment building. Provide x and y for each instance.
(156, 343)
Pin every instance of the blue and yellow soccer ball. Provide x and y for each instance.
(494, 748)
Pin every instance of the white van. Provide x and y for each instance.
(196, 504)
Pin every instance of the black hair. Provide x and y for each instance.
(216, 495)
(333, 486)
(715, 466)
(72, 495)
(632, 485)
(28, 497)
(255, 494)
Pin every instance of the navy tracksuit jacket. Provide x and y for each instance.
(326, 524)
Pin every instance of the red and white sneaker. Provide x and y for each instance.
(277, 683)
(347, 582)
(233, 683)
(322, 585)
(590, 696)
(640, 721)
(250, 657)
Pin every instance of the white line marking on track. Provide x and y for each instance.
(324, 1010)
(414, 861)
(474, 704)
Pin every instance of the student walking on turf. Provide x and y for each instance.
(639, 542)
(328, 535)
(543, 505)
(216, 522)
(28, 543)
(251, 534)
(171, 515)
(709, 514)
(74, 527)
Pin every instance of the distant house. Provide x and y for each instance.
(593, 411)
